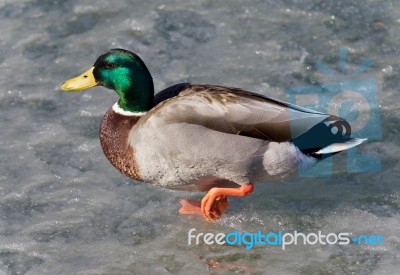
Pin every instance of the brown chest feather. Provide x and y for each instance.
(114, 131)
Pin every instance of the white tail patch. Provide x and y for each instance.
(338, 147)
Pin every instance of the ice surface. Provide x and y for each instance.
(65, 210)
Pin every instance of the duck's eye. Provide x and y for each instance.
(109, 65)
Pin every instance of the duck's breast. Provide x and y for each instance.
(114, 133)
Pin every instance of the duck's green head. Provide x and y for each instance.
(122, 71)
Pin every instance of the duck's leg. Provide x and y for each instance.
(214, 202)
(210, 198)
(192, 207)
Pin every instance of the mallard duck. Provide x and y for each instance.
(202, 137)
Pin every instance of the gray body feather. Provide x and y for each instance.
(200, 136)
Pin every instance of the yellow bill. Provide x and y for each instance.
(81, 82)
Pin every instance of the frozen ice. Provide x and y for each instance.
(65, 210)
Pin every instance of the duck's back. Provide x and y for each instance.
(240, 112)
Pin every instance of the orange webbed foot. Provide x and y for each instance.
(207, 203)
(214, 203)
(192, 207)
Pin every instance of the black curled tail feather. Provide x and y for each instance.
(329, 131)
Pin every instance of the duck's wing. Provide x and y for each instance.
(240, 112)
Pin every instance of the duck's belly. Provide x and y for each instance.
(192, 157)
